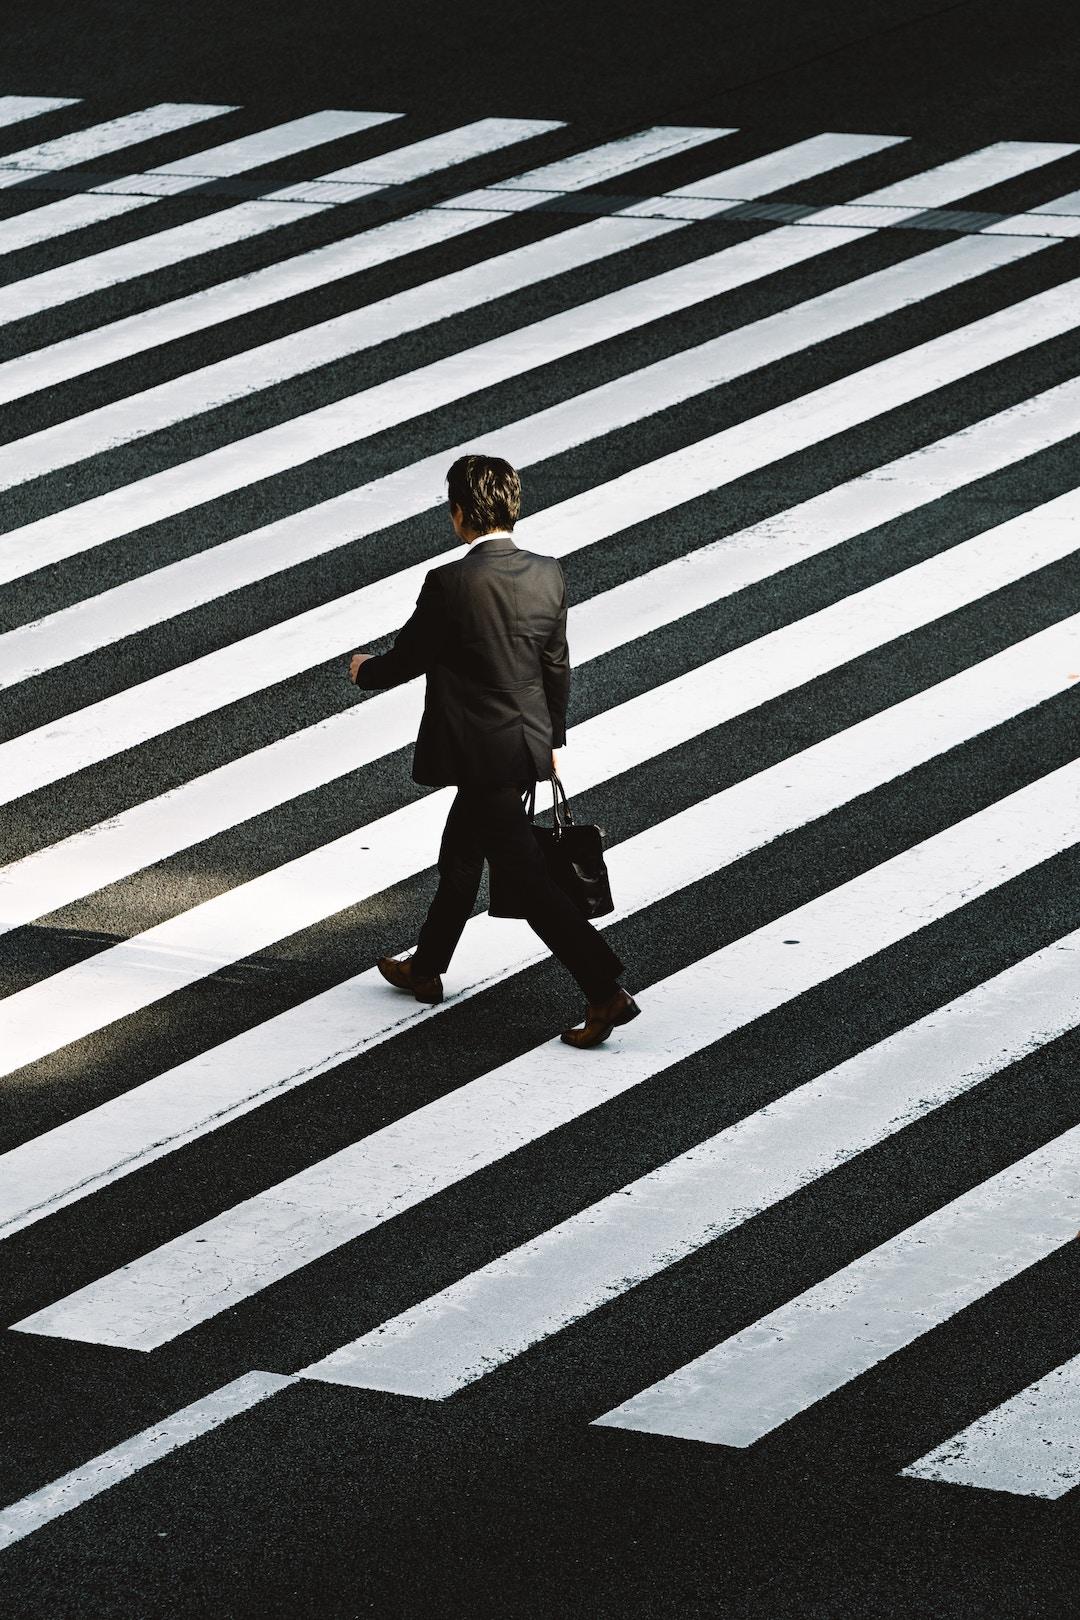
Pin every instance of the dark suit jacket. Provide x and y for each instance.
(489, 631)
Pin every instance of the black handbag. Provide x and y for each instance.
(574, 856)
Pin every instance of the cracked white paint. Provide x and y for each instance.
(84, 145)
(1028, 1446)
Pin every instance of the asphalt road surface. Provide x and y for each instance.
(318, 1301)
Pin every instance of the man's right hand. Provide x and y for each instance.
(555, 762)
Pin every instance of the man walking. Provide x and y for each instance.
(489, 632)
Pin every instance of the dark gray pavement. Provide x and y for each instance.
(504, 1501)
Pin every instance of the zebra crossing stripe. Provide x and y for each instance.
(156, 1116)
(1028, 1446)
(961, 177)
(147, 833)
(14, 109)
(413, 162)
(268, 1237)
(85, 351)
(159, 407)
(607, 162)
(252, 370)
(579, 419)
(249, 785)
(496, 1313)
(83, 145)
(115, 197)
(842, 1327)
(162, 406)
(210, 682)
(1062, 205)
(788, 166)
(113, 266)
(120, 1462)
(202, 940)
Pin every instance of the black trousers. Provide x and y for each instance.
(490, 823)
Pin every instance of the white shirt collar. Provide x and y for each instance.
(493, 534)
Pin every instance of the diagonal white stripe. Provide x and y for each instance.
(64, 1163)
(585, 416)
(949, 182)
(116, 265)
(148, 709)
(468, 1329)
(81, 1484)
(537, 344)
(117, 197)
(1028, 1446)
(83, 145)
(149, 832)
(273, 1234)
(86, 350)
(425, 157)
(14, 109)
(832, 1333)
(187, 947)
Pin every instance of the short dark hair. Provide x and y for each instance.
(487, 489)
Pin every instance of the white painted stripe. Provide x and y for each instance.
(82, 1154)
(1069, 204)
(244, 787)
(14, 109)
(120, 1462)
(137, 191)
(57, 218)
(466, 1330)
(187, 947)
(423, 157)
(93, 733)
(842, 1327)
(1035, 225)
(442, 381)
(122, 263)
(1029, 1445)
(271, 1235)
(116, 265)
(86, 350)
(270, 145)
(585, 416)
(962, 177)
(121, 196)
(958, 1046)
(123, 420)
(83, 145)
(616, 158)
(786, 167)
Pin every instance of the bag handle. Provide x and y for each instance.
(557, 792)
(562, 816)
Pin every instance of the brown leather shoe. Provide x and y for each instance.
(601, 1020)
(401, 976)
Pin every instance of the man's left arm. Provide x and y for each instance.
(417, 646)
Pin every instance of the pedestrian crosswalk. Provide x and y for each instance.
(809, 477)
